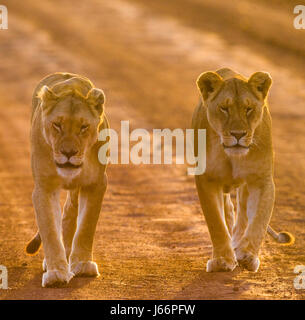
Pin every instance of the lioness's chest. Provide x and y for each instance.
(230, 173)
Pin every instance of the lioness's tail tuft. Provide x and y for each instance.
(284, 238)
(34, 245)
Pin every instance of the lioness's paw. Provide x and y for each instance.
(85, 269)
(221, 264)
(56, 278)
(247, 260)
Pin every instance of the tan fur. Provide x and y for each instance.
(67, 116)
(233, 105)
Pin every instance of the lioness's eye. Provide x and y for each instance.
(56, 126)
(224, 109)
(84, 128)
(249, 111)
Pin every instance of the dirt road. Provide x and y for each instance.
(152, 241)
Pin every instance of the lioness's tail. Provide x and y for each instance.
(34, 245)
(284, 238)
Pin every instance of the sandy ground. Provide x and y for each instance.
(152, 241)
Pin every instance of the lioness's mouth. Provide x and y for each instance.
(235, 146)
(68, 165)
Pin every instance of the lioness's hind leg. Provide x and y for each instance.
(229, 212)
(69, 219)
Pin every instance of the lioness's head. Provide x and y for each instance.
(70, 125)
(234, 106)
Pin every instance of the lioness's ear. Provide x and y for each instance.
(260, 83)
(46, 94)
(96, 99)
(209, 83)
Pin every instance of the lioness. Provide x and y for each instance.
(235, 114)
(67, 115)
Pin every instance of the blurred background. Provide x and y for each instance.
(152, 241)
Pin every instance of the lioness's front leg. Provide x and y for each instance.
(90, 202)
(211, 200)
(48, 215)
(241, 212)
(229, 212)
(69, 219)
(259, 209)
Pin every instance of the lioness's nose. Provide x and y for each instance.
(68, 153)
(238, 134)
